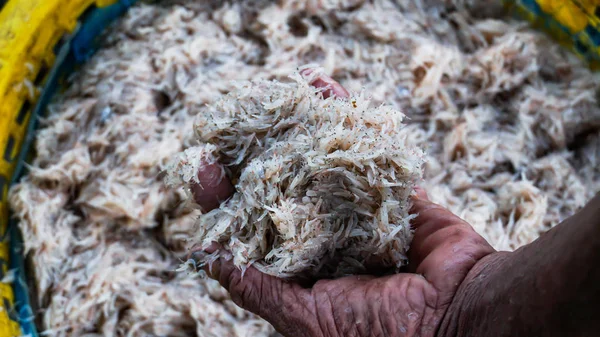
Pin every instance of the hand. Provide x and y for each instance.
(443, 251)
(457, 285)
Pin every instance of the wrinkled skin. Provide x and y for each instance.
(444, 249)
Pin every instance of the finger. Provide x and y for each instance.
(285, 305)
(454, 252)
(421, 193)
(444, 246)
(329, 85)
(431, 228)
(431, 216)
(213, 187)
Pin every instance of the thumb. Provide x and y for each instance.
(437, 229)
(283, 304)
(421, 193)
(212, 188)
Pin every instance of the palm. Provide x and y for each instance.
(444, 249)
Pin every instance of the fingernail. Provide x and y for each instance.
(421, 193)
(329, 87)
(306, 72)
(198, 255)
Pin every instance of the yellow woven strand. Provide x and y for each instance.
(29, 30)
(573, 23)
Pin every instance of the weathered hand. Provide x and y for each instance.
(443, 251)
(457, 284)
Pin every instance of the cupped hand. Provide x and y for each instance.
(443, 251)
